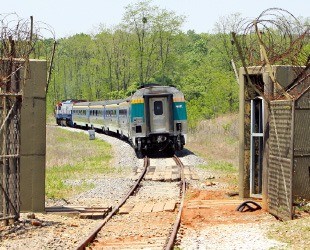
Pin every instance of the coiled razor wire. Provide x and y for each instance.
(282, 34)
(276, 37)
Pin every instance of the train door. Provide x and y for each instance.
(159, 114)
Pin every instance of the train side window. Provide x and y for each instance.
(158, 108)
(123, 112)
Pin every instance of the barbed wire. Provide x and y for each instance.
(281, 34)
(276, 37)
(20, 38)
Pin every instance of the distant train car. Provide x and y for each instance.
(154, 118)
(80, 114)
(63, 113)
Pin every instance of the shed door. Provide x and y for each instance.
(257, 135)
(159, 117)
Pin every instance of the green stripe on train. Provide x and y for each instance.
(179, 111)
(137, 110)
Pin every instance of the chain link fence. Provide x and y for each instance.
(19, 40)
(10, 109)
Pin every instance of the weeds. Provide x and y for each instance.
(72, 156)
(295, 232)
(219, 166)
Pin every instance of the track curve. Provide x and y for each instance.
(151, 226)
(92, 236)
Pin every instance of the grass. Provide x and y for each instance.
(224, 167)
(216, 141)
(226, 171)
(296, 233)
(72, 156)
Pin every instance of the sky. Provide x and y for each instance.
(69, 17)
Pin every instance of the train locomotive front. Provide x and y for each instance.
(158, 120)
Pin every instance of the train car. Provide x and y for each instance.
(80, 114)
(96, 114)
(63, 112)
(124, 118)
(158, 119)
(153, 119)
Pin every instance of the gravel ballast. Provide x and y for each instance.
(61, 232)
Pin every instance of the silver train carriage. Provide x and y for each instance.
(158, 119)
(154, 118)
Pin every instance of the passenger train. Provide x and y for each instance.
(154, 118)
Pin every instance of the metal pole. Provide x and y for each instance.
(51, 67)
(4, 160)
(235, 70)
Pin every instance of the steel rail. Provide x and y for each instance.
(177, 223)
(83, 244)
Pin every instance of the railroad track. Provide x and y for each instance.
(150, 214)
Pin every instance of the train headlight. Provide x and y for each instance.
(179, 126)
(138, 129)
(138, 120)
(161, 138)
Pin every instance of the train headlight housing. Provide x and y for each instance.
(138, 120)
(179, 126)
(161, 138)
(138, 129)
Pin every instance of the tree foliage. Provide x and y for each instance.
(149, 46)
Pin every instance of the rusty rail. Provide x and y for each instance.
(177, 223)
(92, 236)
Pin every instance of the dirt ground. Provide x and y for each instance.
(205, 208)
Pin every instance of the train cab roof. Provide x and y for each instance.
(155, 89)
(107, 102)
(77, 104)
